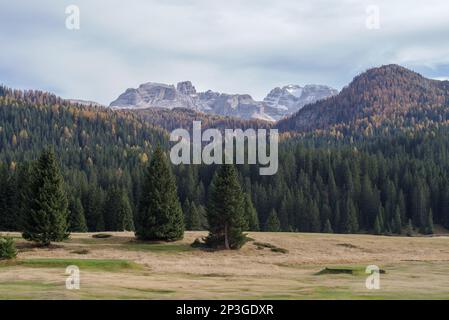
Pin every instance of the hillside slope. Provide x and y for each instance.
(377, 94)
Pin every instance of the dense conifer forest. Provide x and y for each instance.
(382, 175)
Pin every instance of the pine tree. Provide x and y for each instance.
(77, 221)
(126, 218)
(93, 209)
(160, 215)
(409, 229)
(272, 224)
(397, 223)
(251, 214)
(429, 223)
(225, 210)
(8, 207)
(348, 219)
(47, 219)
(377, 225)
(193, 219)
(328, 227)
(117, 211)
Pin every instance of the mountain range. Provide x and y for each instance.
(280, 102)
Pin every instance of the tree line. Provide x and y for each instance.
(45, 214)
(371, 178)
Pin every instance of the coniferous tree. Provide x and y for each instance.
(397, 223)
(77, 220)
(93, 209)
(160, 216)
(24, 195)
(46, 220)
(225, 210)
(272, 224)
(429, 223)
(348, 219)
(193, 221)
(8, 205)
(250, 214)
(409, 229)
(377, 225)
(328, 227)
(117, 212)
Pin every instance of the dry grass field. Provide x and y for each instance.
(121, 268)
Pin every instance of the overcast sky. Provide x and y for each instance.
(244, 46)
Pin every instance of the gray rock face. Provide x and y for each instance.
(281, 102)
(185, 96)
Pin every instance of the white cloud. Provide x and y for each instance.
(234, 46)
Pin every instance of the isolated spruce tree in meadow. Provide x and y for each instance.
(46, 219)
(160, 215)
(225, 210)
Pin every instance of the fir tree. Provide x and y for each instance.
(348, 219)
(429, 223)
(225, 210)
(193, 221)
(397, 223)
(251, 214)
(117, 211)
(47, 219)
(409, 228)
(77, 221)
(272, 224)
(328, 227)
(160, 215)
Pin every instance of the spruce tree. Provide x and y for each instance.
(160, 215)
(251, 214)
(193, 220)
(377, 225)
(397, 223)
(46, 221)
(429, 223)
(93, 209)
(117, 211)
(272, 224)
(348, 219)
(409, 229)
(225, 210)
(328, 227)
(77, 221)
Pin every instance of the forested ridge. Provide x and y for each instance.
(378, 174)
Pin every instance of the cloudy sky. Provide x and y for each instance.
(245, 46)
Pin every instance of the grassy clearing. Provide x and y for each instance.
(157, 247)
(90, 264)
(119, 267)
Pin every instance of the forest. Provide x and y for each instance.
(383, 178)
